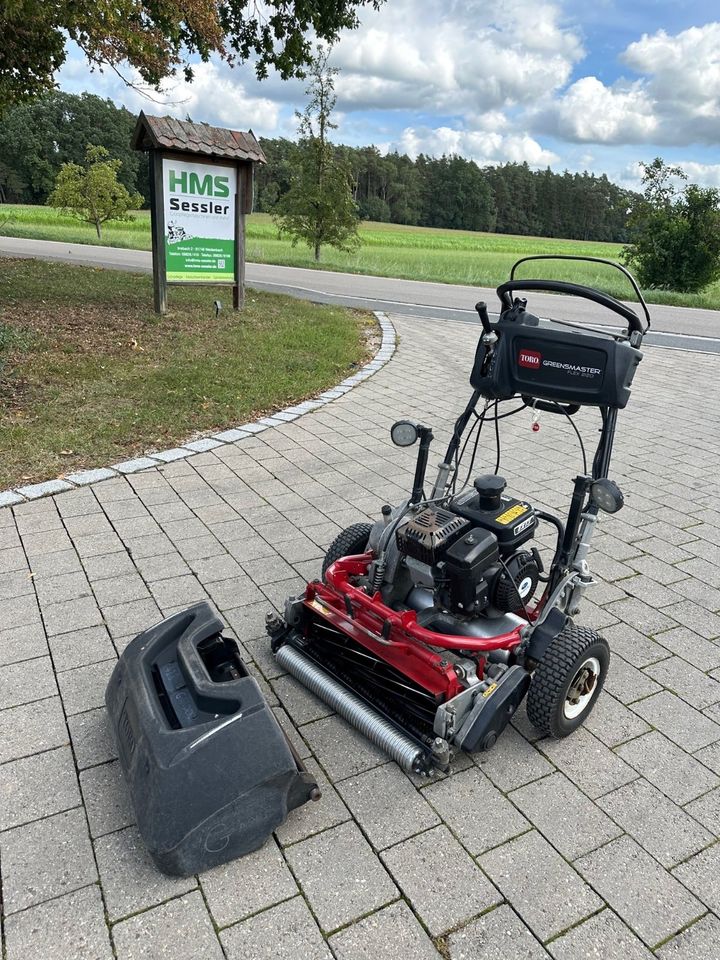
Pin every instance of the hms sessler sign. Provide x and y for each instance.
(199, 221)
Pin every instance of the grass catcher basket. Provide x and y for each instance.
(210, 771)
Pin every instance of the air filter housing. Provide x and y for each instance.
(428, 535)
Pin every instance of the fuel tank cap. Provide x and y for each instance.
(490, 487)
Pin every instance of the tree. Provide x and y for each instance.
(319, 208)
(92, 192)
(37, 138)
(674, 234)
(158, 37)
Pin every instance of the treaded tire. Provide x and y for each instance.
(554, 675)
(348, 542)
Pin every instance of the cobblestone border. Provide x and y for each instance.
(16, 495)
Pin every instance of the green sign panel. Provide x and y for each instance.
(199, 221)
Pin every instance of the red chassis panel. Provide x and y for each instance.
(394, 637)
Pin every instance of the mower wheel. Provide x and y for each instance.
(350, 541)
(568, 681)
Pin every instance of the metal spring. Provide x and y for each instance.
(370, 723)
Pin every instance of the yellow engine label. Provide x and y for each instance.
(512, 514)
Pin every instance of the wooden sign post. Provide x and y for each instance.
(201, 188)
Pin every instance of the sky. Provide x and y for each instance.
(596, 85)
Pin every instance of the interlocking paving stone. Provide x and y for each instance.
(313, 817)
(658, 825)
(679, 722)
(71, 615)
(32, 728)
(386, 935)
(81, 648)
(130, 880)
(45, 859)
(564, 898)
(71, 927)
(588, 763)
(626, 683)
(340, 875)
(37, 786)
(441, 881)
(386, 805)
(26, 681)
(674, 772)
(180, 929)
(633, 646)
(133, 617)
(698, 942)
(497, 935)
(701, 875)
(342, 751)
(613, 723)
(92, 738)
(651, 901)
(236, 890)
(22, 643)
(285, 932)
(301, 705)
(107, 798)
(498, 820)
(602, 937)
(689, 683)
(107, 566)
(83, 688)
(570, 821)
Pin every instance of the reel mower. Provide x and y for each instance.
(430, 626)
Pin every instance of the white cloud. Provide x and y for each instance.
(451, 57)
(674, 101)
(483, 147)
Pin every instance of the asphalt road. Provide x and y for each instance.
(682, 327)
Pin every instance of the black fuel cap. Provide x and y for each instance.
(490, 487)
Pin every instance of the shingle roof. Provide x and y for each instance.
(167, 133)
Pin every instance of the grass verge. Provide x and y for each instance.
(89, 375)
(387, 250)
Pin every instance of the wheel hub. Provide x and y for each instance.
(582, 688)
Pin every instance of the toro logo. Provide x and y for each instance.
(530, 358)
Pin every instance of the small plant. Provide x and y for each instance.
(92, 192)
(674, 233)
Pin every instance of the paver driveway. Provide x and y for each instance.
(603, 845)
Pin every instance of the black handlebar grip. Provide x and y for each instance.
(482, 312)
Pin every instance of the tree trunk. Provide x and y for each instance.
(317, 250)
(97, 228)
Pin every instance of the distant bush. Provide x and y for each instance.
(674, 234)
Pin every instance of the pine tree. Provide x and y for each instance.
(319, 207)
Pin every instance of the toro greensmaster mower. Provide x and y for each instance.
(427, 628)
(425, 631)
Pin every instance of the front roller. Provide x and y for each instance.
(210, 771)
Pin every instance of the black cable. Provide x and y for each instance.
(497, 439)
(577, 432)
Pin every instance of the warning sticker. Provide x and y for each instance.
(512, 514)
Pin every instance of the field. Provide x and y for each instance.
(89, 375)
(387, 250)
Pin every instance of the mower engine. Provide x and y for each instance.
(461, 565)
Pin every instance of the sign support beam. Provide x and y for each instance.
(157, 220)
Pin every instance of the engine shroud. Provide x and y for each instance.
(428, 535)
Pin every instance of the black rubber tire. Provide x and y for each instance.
(348, 542)
(554, 674)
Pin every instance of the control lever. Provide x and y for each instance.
(482, 312)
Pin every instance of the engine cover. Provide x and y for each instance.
(429, 534)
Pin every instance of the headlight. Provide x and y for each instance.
(607, 495)
(404, 433)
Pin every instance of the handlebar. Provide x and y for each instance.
(588, 293)
(574, 289)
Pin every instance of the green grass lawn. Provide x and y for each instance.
(89, 375)
(387, 250)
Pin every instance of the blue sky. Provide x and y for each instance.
(597, 85)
